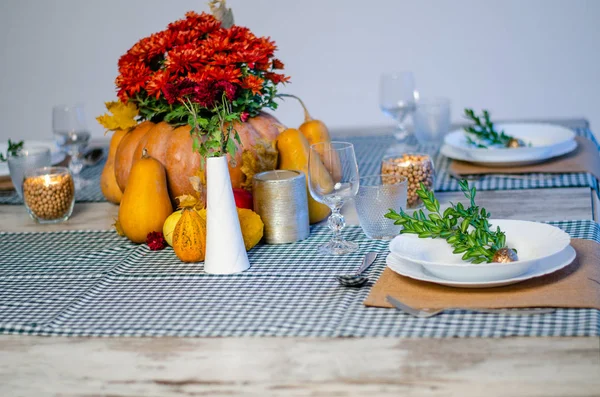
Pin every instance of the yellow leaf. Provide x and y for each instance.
(118, 228)
(187, 201)
(263, 157)
(122, 118)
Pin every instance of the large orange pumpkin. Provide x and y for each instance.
(173, 148)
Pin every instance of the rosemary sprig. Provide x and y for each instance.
(13, 150)
(477, 243)
(484, 131)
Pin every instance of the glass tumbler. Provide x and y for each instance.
(49, 194)
(416, 167)
(431, 120)
(376, 196)
(25, 160)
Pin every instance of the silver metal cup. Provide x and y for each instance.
(280, 198)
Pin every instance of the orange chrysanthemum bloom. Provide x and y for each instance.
(253, 83)
(157, 83)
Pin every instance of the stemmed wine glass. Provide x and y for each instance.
(333, 180)
(71, 135)
(397, 99)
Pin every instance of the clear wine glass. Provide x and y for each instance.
(333, 180)
(71, 135)
(397, 96)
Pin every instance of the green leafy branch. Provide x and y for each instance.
(467, 230)
(483, 129)
(213, 134)
(13, 149)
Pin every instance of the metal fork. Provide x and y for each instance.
(426, 313)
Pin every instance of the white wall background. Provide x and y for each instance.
(517, 58)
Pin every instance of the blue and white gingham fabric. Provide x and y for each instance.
(370, 150)
(95, 283)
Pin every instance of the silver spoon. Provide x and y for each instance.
(357, 280)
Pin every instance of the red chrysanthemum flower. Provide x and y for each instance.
(206, 93)
(156, 241)
(228, 73)
(276, 78)
(277, 64)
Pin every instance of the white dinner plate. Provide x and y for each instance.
(534, 242)
(561, 150)
(57, 156)
(545, 141)
(542, 268)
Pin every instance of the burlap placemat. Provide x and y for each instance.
(575, 286)
(584, 158)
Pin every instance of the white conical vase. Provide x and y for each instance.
(225, 250)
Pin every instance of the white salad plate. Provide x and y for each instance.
(417, 272)
(535, 243)
(56, 154)
(544, 141)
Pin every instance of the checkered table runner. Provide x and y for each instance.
(95, 283)
(369, 152)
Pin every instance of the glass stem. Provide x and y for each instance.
(76, 164)
(336, 223)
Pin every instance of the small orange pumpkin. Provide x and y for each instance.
(189, 236)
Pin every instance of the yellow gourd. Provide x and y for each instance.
(108, 181)
(189, 236)
(293, 155)
(145, 204)
(169, 226)
(315, 131)
(251, 224)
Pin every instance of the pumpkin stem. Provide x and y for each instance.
(144, 153)
(306, 114)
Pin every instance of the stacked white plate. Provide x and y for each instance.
(544, 141)
(57, 156)
(542, 249)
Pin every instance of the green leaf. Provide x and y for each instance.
(464, 225)
(231, 147)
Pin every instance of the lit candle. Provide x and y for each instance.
(49, 194)
(280, 198)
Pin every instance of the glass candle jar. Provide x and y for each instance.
(49, 194)
(416, 167)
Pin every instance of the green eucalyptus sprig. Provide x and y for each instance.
(467, 230)
(484, 130)
(13, 149)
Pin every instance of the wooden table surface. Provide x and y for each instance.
(520, 366)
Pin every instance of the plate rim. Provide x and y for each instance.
(448, 151)
(571, 133)
(491, 264)
(483, 284)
